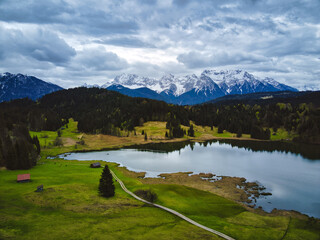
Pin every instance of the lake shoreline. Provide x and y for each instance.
(197, 181)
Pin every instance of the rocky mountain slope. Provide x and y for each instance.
(14, 86)
(192, 89)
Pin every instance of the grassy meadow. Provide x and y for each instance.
(70, 207)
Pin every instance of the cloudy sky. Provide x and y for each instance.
(70, 42)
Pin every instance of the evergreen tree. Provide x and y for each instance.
(36, 142)
(106, 187)
(239, 133)
(191, 131)
(145, 136)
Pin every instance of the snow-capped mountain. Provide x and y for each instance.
(14, 86)
(192, 89)
(185, 90)
(133, 81)
(90, 85)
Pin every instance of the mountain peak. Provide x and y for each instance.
(14, 86)
(210, 84)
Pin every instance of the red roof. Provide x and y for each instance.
(22, 177)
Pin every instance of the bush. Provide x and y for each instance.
(57, 142)
(147, 195)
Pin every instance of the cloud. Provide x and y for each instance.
(130, 42)
(91, 17)
(32, 11)
(104, 38)
(220, 58)
(38, 44)
(98, 59)
(181, 3)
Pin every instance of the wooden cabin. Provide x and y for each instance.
(23, 178)
(95, 165)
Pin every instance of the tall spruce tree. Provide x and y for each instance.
(106, 187)
(191, 131)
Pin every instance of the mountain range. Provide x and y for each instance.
(186, 90)
(14, 86)
(193, 89)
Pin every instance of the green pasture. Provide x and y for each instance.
(70, 207)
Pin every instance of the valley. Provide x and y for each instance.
(71, 194)
(35, 136)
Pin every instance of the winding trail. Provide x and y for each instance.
(170, 210)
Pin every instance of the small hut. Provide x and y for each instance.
(23, 178)
(95, 165)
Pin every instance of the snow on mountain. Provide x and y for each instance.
(133, 81)
(235, 81)
(14, 86)
(229, 81)
(209, 85)
(190, 89)
(90, 85)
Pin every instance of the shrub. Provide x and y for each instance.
(147, 195)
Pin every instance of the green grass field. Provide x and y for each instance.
(70, 207)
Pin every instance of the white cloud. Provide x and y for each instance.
(98, 59)
(68, 41)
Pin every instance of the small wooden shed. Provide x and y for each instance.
(95, 165)
(23, 178)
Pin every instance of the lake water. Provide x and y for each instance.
(292, 179)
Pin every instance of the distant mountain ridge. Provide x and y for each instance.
(186, 90)
(193, 89)
(14, 86)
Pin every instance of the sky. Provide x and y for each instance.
(70, 42)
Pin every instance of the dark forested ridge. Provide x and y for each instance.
(267, 98)
(102, 111)
(108, 112)
(301, 120)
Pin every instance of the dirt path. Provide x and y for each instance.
(170, 210)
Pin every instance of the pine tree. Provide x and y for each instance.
(36, 142)
(106, 187)
(166, 135)
(239, 133)
(191, 131)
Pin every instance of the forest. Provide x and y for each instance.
(107, 112)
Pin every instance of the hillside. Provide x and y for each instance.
(15, 86)
(265, 98)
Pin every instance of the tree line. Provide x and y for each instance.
(107, 112)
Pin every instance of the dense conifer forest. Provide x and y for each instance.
(107, 112)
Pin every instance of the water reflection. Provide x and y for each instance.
(308, 151)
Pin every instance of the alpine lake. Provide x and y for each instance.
(289, 171)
